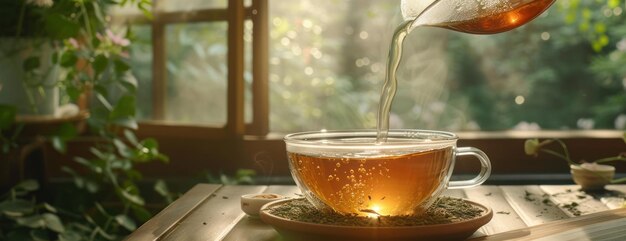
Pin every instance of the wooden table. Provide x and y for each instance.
(212, 212)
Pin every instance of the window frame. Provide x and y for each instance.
(234, 15)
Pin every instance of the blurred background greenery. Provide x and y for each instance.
(565, 70)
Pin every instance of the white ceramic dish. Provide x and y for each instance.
(252, 203)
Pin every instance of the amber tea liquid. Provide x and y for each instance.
(387, 185)
(500, 22)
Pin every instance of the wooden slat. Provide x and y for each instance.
(236, 123)
(252, 228)
(159, 72)
(532, 204)
(174, 213)
(606, 225)
(260, 68)
(202, 15)
(505, 218)
(214, 218)
(564, 195)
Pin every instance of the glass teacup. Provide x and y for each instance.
(350, 173)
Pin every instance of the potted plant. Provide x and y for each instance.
(592, 175)
(93, 73)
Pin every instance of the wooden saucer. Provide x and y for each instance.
(301, 231)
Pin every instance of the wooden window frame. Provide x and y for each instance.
(235, 15)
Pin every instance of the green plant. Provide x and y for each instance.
(242, 176)
(106, 201)
(533, 147)
(21, 218)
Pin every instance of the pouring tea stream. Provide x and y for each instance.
(473, 16)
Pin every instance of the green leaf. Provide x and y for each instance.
(121, 66)
(122, 149)
(7, 116)
(31, 63)
(101, 209)
(53, 222)
(28, 185)
(17, 207)
(150, 143)
(100, 63)
(129, 82)
(49, 207)
(141, 213)
(69, 235)
(60, 27)
(72, 92)
(92, 186)
(131, 137)
(126, 222)
(124, 108)
(93, 165)
(58, 144)
(161, 188)
(135, 199)
(127, 122)
(104, 101)
(34, 221)
(245, 173)
(68, 59)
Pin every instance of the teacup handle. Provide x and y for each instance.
(485, 168)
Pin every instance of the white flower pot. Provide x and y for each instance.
(37, 96)
(591, 176)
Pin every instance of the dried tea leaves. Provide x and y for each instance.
(444, 210)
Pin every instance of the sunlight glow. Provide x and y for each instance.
(513, 18)
(376, 209)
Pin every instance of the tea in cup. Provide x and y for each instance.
(351, 173)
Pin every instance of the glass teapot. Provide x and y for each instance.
(473, 16)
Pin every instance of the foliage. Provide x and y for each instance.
(21, 218)
(447, 80)
(94, 60)
(242, 176)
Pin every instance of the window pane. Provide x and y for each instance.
(141, 65)
(197, 73)
(189, 5)
(326, 70)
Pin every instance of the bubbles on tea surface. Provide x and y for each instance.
(352, 171)
(338, 165)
